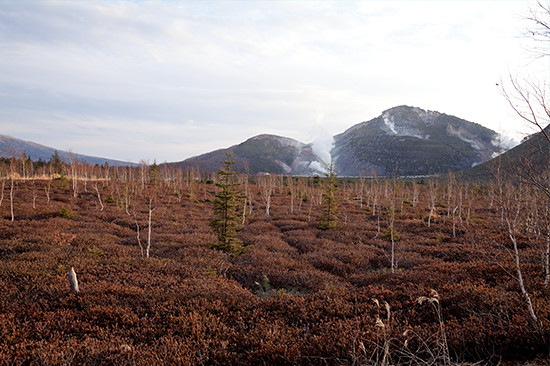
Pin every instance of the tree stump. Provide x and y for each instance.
(73, 281)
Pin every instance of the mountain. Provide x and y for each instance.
(262, 153)
(13, 147)
(411, 141)
(530, 158)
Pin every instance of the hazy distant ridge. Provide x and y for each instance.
(13, 147)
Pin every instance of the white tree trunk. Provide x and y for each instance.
(519, 273)
(11, 200)
(2, 193)
(99, 197)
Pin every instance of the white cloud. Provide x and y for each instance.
(111, 70)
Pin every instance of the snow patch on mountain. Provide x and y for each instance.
(400, 129)
(388, 121)
(464, 136)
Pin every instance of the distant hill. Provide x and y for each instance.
(411, 141)
(532, 156)
(402, 140)
(13, 147)
(262, 154)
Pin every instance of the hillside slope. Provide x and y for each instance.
(531, 157)
(13, 147)
(411, 141)
(262, 153)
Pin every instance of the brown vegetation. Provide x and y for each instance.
(297, 295)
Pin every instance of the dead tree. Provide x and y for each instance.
(512, 218)
(73, 162)
(2, 193)
(267, 183)
(99, 197)
(47, 189)
(150, 208)
(432, 192)
(12, 183)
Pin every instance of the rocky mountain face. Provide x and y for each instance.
(263, 154)
(411, 141)
(13, 147)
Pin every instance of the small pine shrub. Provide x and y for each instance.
(264, 286)
(388, 234)
(65, 213)
(210, 271)
(95, 252)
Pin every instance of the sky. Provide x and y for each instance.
(167, 80)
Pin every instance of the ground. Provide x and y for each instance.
(298, 295)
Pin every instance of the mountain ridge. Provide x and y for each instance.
(531, 156)
(263, 153)
(407, 140)
(402, 140)
(14, 147)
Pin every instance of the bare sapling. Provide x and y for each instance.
(143, 168)
(138, 237)
(246, 188)
(126, 199)
(454, 221)
(73, 160)
(47, 189)
(432, 191)
(450, 193)
(150, 207)
(267, 183)
(469, 212)
(415, 193)
(392, 226)
(292, 191)
(12, 184)
(512, 217)
(460, 200)
(361, 190)
(99, 197)
(301, 192)
(2, 193)
(375, 195)
(546, 259)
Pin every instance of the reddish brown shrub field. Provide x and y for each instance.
(297, 295)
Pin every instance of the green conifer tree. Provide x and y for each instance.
(329, 215)
(56, 163)
(226, 204)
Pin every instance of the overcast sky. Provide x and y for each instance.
(168, 80)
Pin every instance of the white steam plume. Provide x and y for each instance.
(323, 141)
